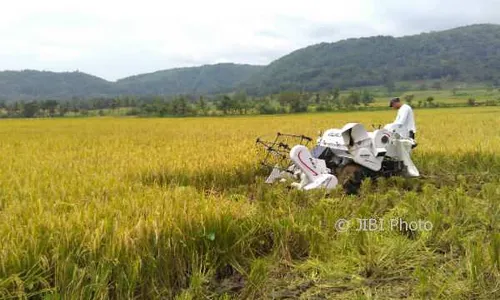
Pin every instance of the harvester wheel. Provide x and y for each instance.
(351, 176)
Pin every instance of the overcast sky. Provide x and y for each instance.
(114, 39)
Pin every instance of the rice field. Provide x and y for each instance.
(129, 208)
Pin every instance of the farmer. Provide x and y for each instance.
(404, 120)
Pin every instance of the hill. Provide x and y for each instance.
(206, 79)
(31, 84)
(470, 53)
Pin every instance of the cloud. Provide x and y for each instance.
(114, 39)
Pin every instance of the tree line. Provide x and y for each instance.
(188, 105)
(224, 104)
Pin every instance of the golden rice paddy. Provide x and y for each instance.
(121, 208)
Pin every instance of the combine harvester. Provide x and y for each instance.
(341, 156)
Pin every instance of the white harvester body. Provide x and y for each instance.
(385, 151)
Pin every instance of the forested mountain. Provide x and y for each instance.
(30, 84)
(470, 53)
(208, 79)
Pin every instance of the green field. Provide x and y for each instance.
(455, 94)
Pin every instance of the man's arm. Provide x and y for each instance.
(402, 116)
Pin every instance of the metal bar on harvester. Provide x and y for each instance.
(277, 150)
(295, 135)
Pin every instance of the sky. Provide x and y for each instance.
(115, 39)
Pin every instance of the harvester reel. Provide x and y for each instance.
(275, 154)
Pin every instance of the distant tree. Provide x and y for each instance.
(50, 105)
(333, 100)
(180, 106)
(409, 99)
(290, 99)
(133, 112)
(490, 103)
(344, 102)
(202, 106)
(317, 99)
(429, 100)
(354, 98)
(336, 93)
(64, 108)
(240, 100)
(283, 99)
(115, 103)
(75, 109)
(299, 104)
(264, 107)
(133, 102)
(367, 98)
(14, 109)
(323, 102)
(30, 109)
(225, 104)
(471, 102)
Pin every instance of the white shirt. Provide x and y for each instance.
(405, 120)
